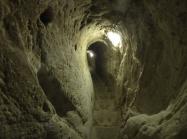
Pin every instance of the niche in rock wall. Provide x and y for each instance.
(47, 16)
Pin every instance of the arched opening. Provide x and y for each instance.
(103, 61)
(96, 55)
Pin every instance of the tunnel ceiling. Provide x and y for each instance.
(46, 88)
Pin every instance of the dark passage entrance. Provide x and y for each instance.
(98, 59)
(105, 115)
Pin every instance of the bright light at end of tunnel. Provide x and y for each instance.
(115, 38)
(90, 53)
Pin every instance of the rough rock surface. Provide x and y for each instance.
(152, 78)
(46, 89)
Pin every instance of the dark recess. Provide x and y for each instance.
(102, 59)
(47, 16)
(99, 49)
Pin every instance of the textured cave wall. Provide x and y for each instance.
(45, 88)
(153, 72)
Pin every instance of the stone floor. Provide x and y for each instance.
(106, 116)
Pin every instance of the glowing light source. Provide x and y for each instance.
(115, 38)
(90, 53)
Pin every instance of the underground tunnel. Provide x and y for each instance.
(93, 69)
(106, 116)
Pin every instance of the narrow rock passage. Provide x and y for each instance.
(106, 116)
(50, 48)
